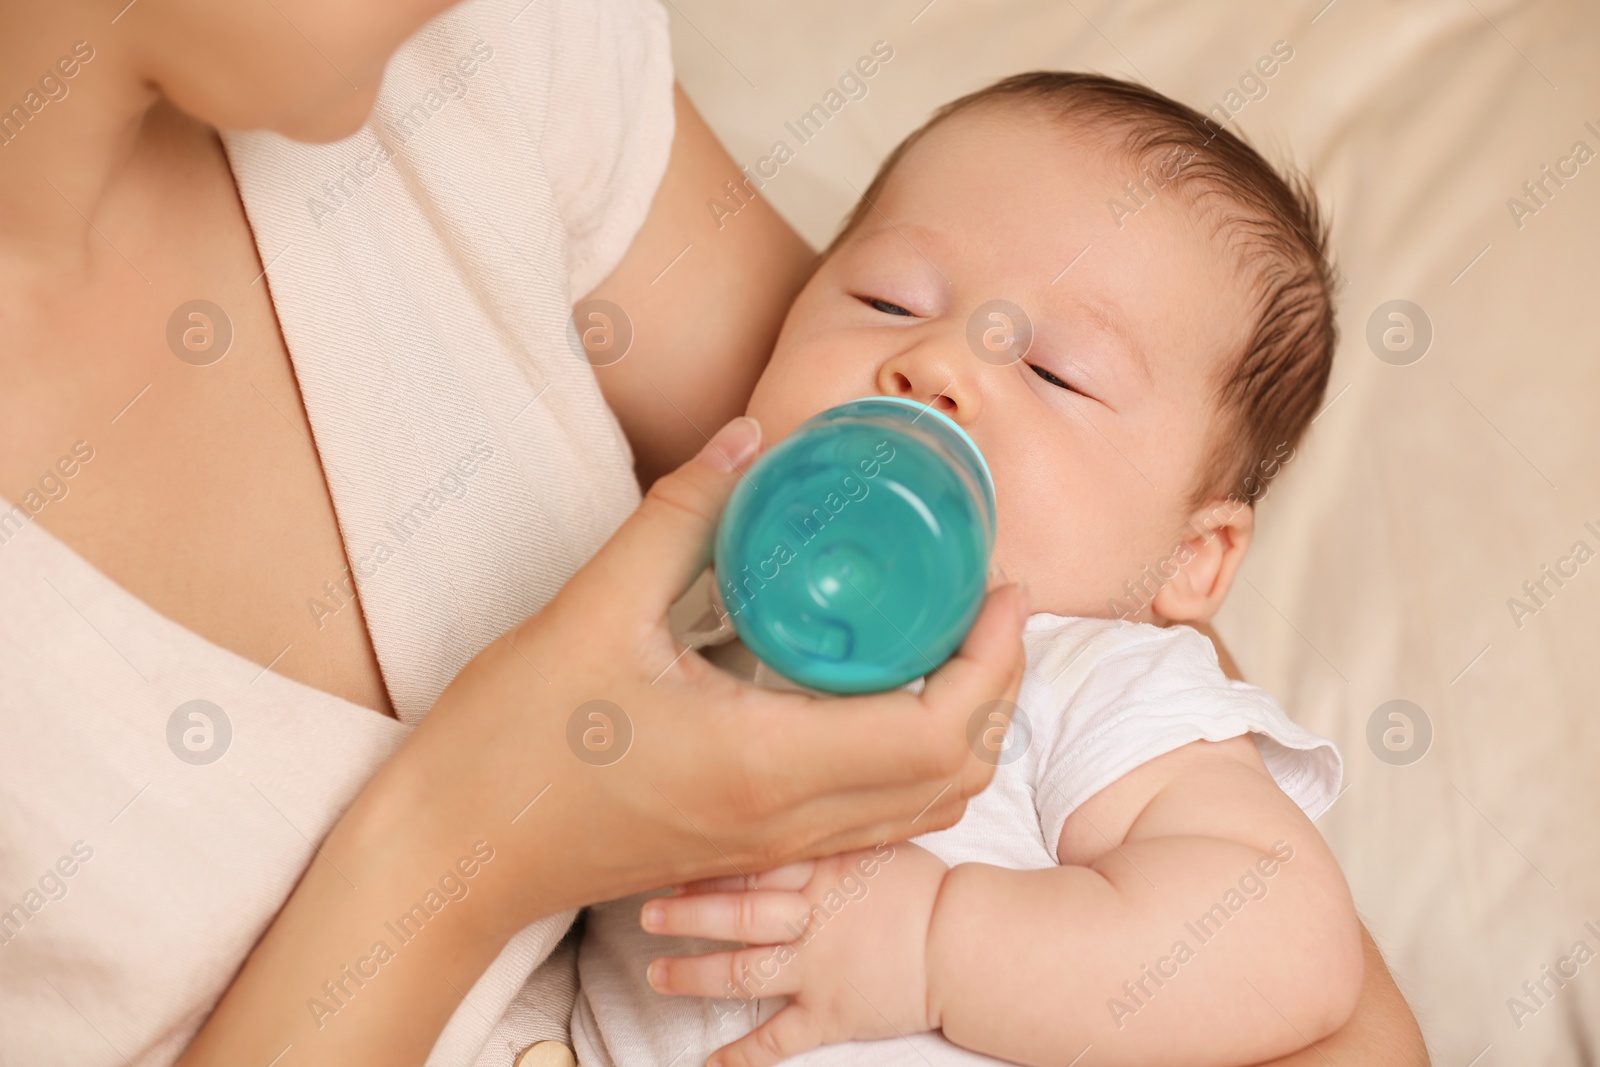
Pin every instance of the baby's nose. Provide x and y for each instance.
(934, 374)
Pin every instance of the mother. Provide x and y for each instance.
(215, 753)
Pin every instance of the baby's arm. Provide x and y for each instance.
(1197, 918)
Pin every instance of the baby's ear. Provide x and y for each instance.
(1207, 561)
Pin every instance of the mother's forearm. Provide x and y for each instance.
(373, 951)
(1382, 1033)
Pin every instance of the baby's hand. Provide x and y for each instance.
(844, 938)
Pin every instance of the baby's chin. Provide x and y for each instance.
(1091, 607)
(1063, 590)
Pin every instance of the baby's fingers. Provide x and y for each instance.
(788, 1033)
(762, 917)
(747, 973)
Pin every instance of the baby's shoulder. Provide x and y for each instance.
(1100, 697)
(1077, 659)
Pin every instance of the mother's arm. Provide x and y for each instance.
(706, 292)
(719, 778)
(711, 777)
(1383, 1032)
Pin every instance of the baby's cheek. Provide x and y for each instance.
(1076, 556)
(777, 407)
(797, 385)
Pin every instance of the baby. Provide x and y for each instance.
(1130, 313)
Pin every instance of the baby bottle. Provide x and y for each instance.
(853, 556)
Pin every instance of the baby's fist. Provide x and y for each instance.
(844, 938)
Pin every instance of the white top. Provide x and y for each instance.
(1099, 698)
(426, 309)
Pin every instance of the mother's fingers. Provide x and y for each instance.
(819, 746)
(990, 661)
(666, 543)
(764, 917)
(868, 821)
(944, 814)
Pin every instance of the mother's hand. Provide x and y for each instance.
(704, 775)
(710, 775)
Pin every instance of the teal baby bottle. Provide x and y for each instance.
(853, 556)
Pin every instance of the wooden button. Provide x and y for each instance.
(547, 1054)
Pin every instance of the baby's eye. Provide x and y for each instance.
(885, 307)
(1051, 378)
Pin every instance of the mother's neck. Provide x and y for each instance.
(72, 107)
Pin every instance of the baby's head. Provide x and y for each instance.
(1182, 329)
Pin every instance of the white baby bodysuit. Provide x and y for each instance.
(1099, 698)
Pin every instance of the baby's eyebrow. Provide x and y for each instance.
(905, 235)
(1109, 317)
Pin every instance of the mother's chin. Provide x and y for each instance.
(310, 71)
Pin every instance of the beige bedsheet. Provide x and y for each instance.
(1427, 494)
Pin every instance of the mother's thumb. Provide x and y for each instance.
(666, 543)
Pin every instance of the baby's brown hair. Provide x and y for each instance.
(1268, 397)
